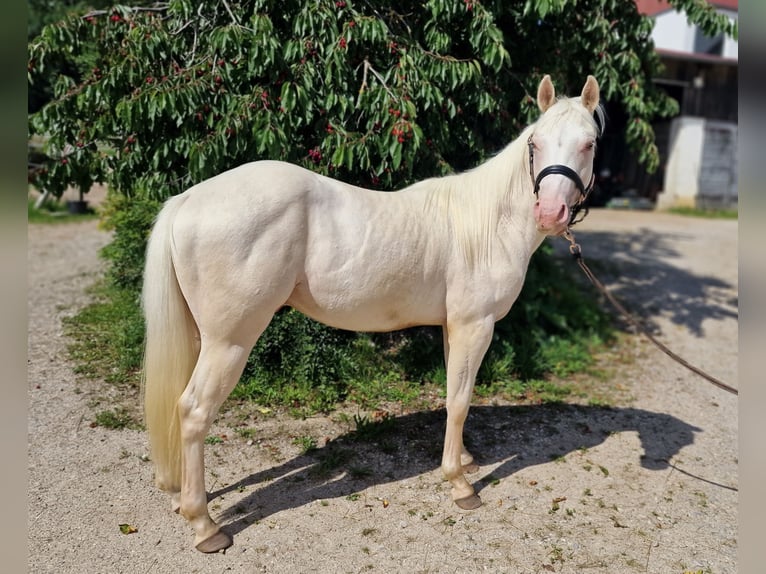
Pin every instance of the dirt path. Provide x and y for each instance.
(647, 486)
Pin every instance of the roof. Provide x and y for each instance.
(654, 7)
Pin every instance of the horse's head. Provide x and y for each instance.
(561, 151)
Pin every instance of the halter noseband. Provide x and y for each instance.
(566, 171)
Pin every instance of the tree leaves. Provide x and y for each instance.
(152, 100)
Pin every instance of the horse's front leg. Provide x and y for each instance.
(468, 342)
(466, 458)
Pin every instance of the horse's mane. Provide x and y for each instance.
(475, 200)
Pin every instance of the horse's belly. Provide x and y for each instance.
(349, 309)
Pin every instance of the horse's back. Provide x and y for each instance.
(341, 254)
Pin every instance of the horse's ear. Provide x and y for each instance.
(546, 95)
(590, 94)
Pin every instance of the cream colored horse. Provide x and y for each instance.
(226, 254)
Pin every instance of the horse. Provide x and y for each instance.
(226, 254)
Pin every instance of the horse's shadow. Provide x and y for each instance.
(639, 268)
(410, 445)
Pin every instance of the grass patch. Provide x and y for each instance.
(55, 212)
(369, 430)
(537, 391)
(107, 336)
(707, 213)
(307, 444)
(119, 418)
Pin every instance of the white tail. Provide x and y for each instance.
(171, 350)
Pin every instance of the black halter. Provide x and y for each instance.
(566, 171)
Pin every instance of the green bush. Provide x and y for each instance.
(131, 220)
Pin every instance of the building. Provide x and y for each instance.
(698, 148)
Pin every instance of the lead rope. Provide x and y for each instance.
(574, 249)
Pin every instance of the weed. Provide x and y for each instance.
(701, 498)
(212, 439)
(246, 433)
(556, 554)
(306, 443)
(372, 429)
(119, 418)
(353, 497)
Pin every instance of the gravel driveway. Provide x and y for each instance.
(649, 485)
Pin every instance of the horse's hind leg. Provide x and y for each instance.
(218, 369)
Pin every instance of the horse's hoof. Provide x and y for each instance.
(469, 502)
(217, 542)
(470, 468)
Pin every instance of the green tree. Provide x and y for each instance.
(158, 97)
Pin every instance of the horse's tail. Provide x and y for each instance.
(170, 352)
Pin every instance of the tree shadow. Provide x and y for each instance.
(645, 272)
(410, 445)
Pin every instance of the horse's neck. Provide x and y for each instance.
(517, 234)
(516, 231)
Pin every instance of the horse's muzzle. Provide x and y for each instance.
(552, 217)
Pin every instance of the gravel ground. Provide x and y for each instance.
(649, 485)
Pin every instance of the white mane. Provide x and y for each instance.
(475, 200)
